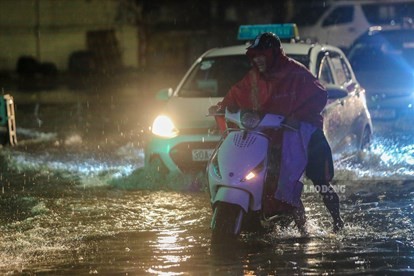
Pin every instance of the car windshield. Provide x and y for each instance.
(309, 13)
(213, 77)
(388, 55)
(385, 13)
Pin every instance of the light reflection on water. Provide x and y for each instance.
(97, 228)
(69, 223)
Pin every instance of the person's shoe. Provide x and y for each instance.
(302, 230)
(338, 225)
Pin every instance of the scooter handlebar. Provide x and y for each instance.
(214, 110)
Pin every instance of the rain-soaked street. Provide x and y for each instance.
(75, 200)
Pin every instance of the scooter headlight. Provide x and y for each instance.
(163, 126)
(250, 120)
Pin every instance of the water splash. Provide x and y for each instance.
(152, 179)
(71, 157)
(390, 158)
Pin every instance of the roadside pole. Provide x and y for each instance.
(7, 118)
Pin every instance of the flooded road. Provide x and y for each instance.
(76, 201)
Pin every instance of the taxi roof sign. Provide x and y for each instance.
(283, 31)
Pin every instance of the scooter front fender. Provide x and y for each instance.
(234, 196)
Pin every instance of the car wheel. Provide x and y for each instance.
(364, 145)
(366, 139)
(156, 164)
(4, 137)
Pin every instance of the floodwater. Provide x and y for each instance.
(75, 200)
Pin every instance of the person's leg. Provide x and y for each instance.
(331, 201)
(320, 171)
(300, 219)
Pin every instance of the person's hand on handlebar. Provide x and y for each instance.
(291, 123)
(212, 110)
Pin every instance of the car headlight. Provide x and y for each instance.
(163, 126)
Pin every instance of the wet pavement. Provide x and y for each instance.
(75, 200)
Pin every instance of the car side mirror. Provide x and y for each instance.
(336, 92)
(164, 94)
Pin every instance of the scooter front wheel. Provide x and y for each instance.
(226, 222)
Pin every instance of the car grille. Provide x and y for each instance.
(182, 156)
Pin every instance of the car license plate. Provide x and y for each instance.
(202, 154)
(383, 113)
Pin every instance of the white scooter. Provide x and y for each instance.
(239, 171)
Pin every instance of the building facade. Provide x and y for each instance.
(50, 31)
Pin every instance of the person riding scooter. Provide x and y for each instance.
(278, 84)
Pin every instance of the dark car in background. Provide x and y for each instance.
(383, 62)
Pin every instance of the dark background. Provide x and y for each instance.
(172, 34)
(196, 26)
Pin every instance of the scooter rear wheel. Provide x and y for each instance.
(226, 222)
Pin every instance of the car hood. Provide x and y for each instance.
(191, 112)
